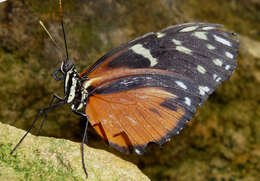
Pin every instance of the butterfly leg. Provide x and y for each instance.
(54, 97)
(42, 110)
(84, 140)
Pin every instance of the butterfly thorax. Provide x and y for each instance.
(75, 93)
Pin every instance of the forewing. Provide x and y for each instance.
(198, 51)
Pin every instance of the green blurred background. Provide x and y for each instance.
(221, 143)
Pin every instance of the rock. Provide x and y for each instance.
(43, 158)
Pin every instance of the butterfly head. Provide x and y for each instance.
(65, 67)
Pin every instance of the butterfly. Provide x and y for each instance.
(147, 89)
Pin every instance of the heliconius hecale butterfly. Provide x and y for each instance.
(148, 89)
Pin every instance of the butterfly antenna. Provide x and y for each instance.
(52, 39)
(63, 30)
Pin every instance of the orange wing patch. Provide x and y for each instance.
(133, 118)
(103, 67)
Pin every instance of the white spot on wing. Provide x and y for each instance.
(201, 35)
(190, 28)
(203, 90)
(138, 151)
(139, 49)
(227, 67)
(111, 116)
(88, 83)
(187, 101)
(222, 40)
(176, 42)
(131, 119)
(168, 139)
(208, 28)
(216, 78)
(217, 62)
(142, 96)
(160, 35)
(229, 55)
(183, 49)
(211, 47)
(181, 84)
(201, 69)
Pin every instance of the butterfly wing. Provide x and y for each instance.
(148, 89)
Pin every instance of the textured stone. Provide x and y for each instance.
(42, 158)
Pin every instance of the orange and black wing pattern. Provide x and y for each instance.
(148, 89)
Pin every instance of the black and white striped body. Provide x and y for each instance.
(76, 94)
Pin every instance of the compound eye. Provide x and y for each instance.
(58, 75)
(66, 66)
